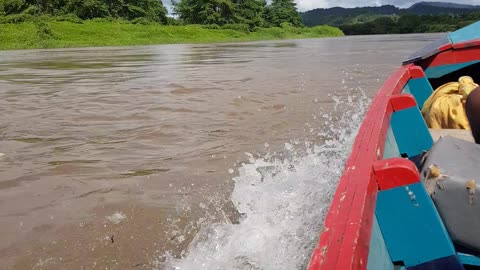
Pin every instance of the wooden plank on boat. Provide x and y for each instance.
(462, 134)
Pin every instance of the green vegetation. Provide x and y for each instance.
(152, 10)
(62, 34)
(338, 16)
(423, 17)
(407, 23)
(281, 11)
(77, 23)
(254, 13)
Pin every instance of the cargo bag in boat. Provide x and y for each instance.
(451, 173)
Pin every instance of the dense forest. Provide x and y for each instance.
(243, 13)
(31, 24)
(339, 16)
(423, 17)
(407, 23)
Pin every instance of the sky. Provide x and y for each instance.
(304, 5)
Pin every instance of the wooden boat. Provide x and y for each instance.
(381, 216)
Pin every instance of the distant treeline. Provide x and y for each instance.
(22, 10)
(407, 23)
(339, 16)
(214, 13)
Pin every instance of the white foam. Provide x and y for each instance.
(117, 217)
(282, 199)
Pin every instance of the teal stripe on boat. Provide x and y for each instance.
(378, 257)
(439, 71)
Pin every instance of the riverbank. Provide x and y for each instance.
(63, 34)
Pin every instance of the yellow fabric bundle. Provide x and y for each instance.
(445, 107)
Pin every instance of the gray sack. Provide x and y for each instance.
(457, 204)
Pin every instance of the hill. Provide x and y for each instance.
(339, 16)
(444, 5)
(437, 8)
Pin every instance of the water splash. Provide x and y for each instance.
(282, 198)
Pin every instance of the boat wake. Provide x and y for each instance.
(282, 198)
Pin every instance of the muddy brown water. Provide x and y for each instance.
(112, 157)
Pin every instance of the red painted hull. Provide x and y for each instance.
(344, 242)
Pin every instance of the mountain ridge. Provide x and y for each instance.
(338, 15)
(445, 5)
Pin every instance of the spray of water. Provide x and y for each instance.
(282, 198)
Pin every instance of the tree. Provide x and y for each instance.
(250, 12)
(205, 11)
(150, 9)
(10, 6)
(88, 9)
(281, 11)
(48, 6)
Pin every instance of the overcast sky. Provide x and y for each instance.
(304, 5)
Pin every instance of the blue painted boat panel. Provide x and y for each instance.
(391, 147)
(411, 132)
(421, 89)
(378, 258)
(439, 71)
(467, 33)
(410, 224)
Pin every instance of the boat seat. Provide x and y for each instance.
(456, 133)
(455, 191)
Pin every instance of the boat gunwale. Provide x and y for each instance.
(344, 243)
(345, 240)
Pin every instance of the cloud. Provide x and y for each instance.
(168, 5)
(304, 5)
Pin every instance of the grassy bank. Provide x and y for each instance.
(64, 34)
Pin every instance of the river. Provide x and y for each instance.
(215, 156)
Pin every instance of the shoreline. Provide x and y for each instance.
(62, 34)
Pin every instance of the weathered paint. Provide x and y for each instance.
(410, 224)
(378, 258)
